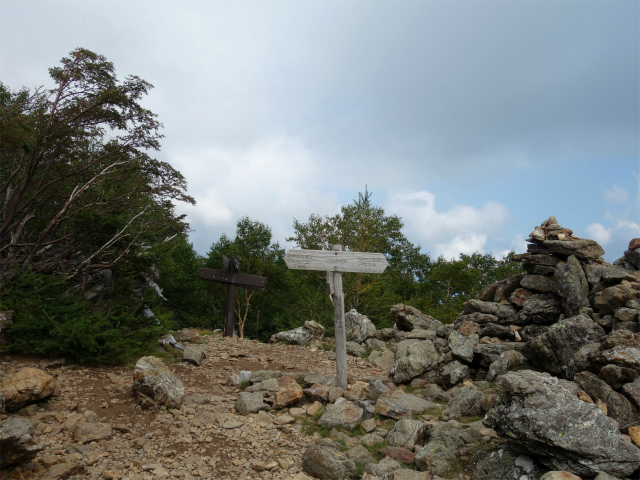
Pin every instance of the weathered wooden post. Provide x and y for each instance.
(233, 278)
(335, 262)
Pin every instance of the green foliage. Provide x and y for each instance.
(78, 188)
(53, 322)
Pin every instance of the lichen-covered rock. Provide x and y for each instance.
(406, 433)
(504, 464)
(537, 413)
(469, 402)
(414, 360)
(397, 405)
(462, 345)
(27, 386)
(327, 463)
(509, 360)
(409, 318)
(582, 248)
(614, 297)
(343, 413)
(554, 350)
(543, 308)
(499, 312)
(572, 286)
(155, 383)
(358, 327)
(453, 373)
(301, 335)
(16, 441)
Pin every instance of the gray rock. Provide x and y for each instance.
(375, 344)
(624, 314)
(508, 361)
(360, 454)
(543, 308)
(193, 355)
(453, 373)
(382, 468)
(538, 415)
(16, 442)
(616, 376)
(554, 350)
(406, 433)
(582, 248)
(614, 297)
(301, 335)
(462, 345)
(395, 404)
(434, 393)
(358, 327)
(572, 286)
(498, 331)
(155, 383)
(327, 463)
(503, 313)
(618, 406)
(469, 402)
(414, 360)
(409, 318)
(487, 353)
(435, 457)
(505, 288)
(343, 413)
(250, 402)
(539, 284)
(607, 274)
(355, 349)
(504, 464)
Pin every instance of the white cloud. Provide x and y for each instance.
(461, 229)
(616, 194)
(599, 233)
(273, 182)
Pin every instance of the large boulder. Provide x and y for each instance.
(155, 383)
(554, 350)
(16, 441)
(538, 414)
(27, 386)
(301, 335)
(358, 327)
(470, 402)
(395, 404)
(409, 318)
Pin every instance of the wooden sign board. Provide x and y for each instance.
(336, 261)
(252, 282)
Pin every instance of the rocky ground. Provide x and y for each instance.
(204, 438)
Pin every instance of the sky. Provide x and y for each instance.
(473, 121)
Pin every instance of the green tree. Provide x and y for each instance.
(82, 199)
(258, 256)
(78, 190)
(445, 285)
(364, 227)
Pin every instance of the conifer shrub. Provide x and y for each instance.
(51, 320)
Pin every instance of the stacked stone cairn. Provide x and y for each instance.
(540, 373)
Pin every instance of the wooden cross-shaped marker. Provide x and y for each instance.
(233, 278)
(336, 262)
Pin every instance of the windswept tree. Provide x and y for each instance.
(78, 187)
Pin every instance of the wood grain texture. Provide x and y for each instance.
(336, 261)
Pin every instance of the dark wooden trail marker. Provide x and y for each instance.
(233, 278)
(334, 263)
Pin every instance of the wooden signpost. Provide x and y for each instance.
(233, 278)
(335, 262)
